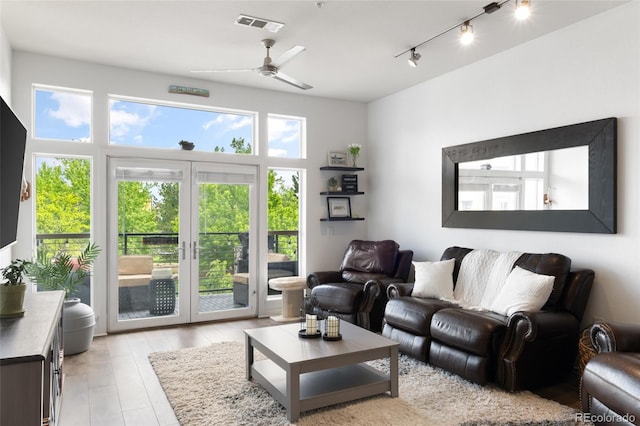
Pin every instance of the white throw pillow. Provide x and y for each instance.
(434, 279)
(523, 291)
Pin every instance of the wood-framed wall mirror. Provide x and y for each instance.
(561, 179)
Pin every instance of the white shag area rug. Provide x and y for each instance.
(207, 386)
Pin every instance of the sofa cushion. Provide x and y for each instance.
(434, 279)
(134, 264)
(480, 333)
(523, 291)
(277, 257)
(413, 314)
(133, 280)
(370, 256)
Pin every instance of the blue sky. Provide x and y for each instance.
(67, 116)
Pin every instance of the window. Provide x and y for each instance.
(283, 218)
(513, 182)
(63, 208)
(162, 126)
(286, 136)
(62, 114)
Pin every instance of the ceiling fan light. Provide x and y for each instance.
(523, 9)
(413, 59)
(466, 33)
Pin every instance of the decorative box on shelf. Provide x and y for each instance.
(350, 183)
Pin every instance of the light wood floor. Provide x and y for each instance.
(113, 383)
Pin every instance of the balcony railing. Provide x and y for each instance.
(219, 253)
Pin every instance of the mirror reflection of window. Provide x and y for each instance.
(550, 180)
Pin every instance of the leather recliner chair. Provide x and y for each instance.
(357, 291)
(610, 383)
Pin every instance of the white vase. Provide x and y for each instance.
(78, 324)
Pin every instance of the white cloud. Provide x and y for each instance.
(73, 109)
(124, 122)
(283, 131)
(215, 121)
(275, 152)
(229, 122)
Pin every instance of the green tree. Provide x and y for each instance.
(168, 207)
(136, 208)
(63, 194)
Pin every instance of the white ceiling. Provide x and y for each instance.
(350, 44)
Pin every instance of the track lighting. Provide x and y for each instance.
(413, 60)
(466, 29)
(466, 33)
(522, 9)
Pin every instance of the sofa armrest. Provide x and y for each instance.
(615, 337)
(323, 277)
(397, 290)
(539, 346)
(371, 290)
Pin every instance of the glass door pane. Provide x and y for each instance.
(225, 284)
(148, 247)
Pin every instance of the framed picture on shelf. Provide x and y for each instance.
(337, 159)
(339, 207)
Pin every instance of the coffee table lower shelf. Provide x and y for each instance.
(324, 387)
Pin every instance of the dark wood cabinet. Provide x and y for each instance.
(31, 362)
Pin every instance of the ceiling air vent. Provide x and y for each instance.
(250, 21)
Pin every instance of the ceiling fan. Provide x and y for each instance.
(271, 68)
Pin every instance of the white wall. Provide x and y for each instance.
(331, 125)
(587, 71)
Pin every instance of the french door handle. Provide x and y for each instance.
(195, 250)
(183, 250)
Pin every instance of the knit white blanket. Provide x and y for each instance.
(482, 275)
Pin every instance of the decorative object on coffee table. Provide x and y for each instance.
(332, 327)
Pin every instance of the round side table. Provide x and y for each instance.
(292, 294)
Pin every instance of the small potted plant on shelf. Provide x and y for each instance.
(12, 289)
(332, 184)
(67, 273)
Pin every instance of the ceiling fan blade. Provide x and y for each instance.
(225, 70)
(292, 81)
(287, 56)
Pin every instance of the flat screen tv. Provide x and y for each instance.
(13, 137)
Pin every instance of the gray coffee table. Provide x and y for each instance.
(304, 374)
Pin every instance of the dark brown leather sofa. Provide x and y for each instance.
(357, 291)
(610, 383)
(521, 351)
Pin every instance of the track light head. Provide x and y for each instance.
(413, 59)
(466, 33)
(523, 9)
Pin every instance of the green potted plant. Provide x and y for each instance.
(332, 183)
(65, 272)
(12, 289)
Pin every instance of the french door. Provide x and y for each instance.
(178, 234)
